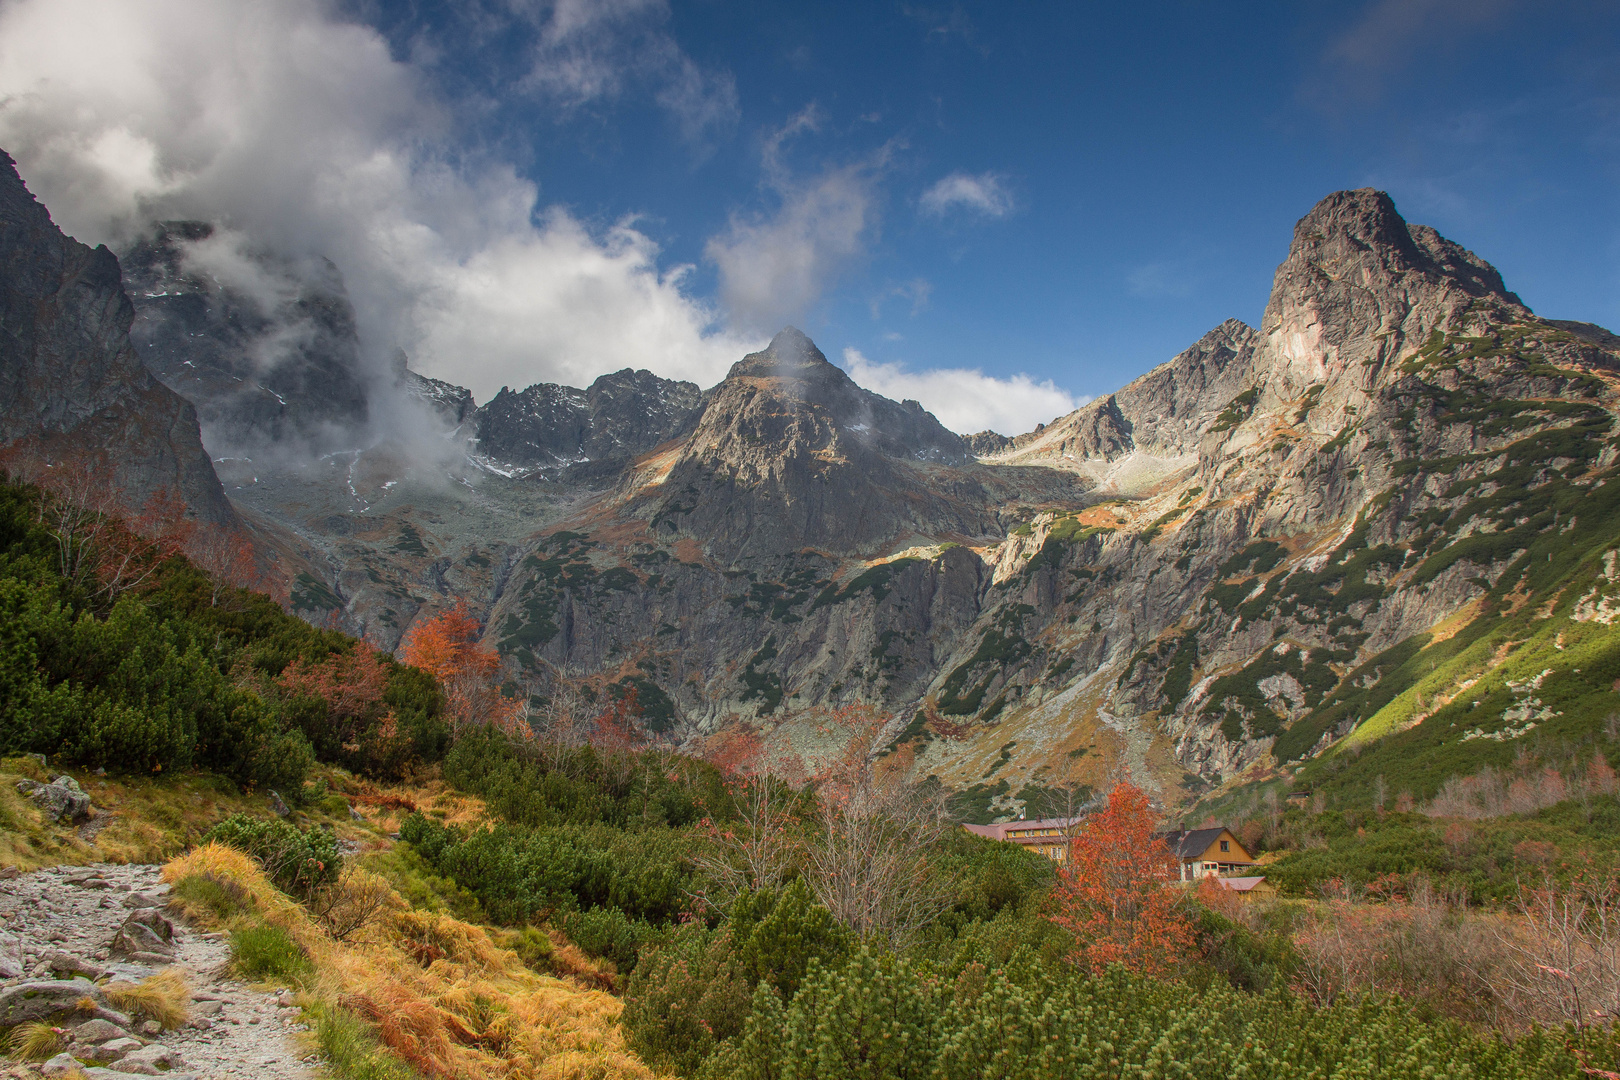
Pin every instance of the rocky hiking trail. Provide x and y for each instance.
(67, 932)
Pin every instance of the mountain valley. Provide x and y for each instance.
(1371, 538)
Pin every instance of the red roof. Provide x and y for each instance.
(1239, 884)
(999, 831)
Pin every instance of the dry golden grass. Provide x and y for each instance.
(34, 1042)
(163, 997)
(440, 994)
(153, 818)
(386, 805)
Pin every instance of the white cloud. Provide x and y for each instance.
(773, 268)
(966, 400)
(302, 133)
(983, 194)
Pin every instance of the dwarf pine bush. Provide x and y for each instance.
(883, 1016)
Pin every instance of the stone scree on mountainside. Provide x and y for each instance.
(67, 930)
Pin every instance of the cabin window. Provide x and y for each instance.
(1226, 845)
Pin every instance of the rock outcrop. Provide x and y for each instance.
(275, 363)
(60, 800)
(72, 389)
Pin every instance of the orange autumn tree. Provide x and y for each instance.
(1115, 894)
(447, 647)
(354, 721)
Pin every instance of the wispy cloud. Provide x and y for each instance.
(966, 400)
(944, 24)
(917, 292)
(1166, 279)
(588, 51)
(774, 267)
(1389, 36)
(984, 194)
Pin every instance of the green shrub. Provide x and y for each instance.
(777, 935)
(298, 861)
(686, 998)
(532, 946)
(884, 1016)
(177, 674)
(268, 952)
(609, 934)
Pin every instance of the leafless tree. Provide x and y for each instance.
(1563, 955)
(355, 901)
(867, 861)
(96, 550)
(228, 559)
(757, 849)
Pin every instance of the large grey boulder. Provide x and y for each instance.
(61, 800)
(46, 999)
(66, 965)
(98, 1031)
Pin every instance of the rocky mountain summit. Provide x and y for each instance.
(619, 416)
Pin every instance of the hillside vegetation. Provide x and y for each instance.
(571, 902)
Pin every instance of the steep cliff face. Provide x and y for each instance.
(71, 386)
(269, 356)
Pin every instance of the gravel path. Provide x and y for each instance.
(234, 1030)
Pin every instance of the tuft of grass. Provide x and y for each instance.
(163, 997)
(352, 1049)
(35, 1042)
(211, 897)
(268, 952)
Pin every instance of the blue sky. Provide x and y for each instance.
(1068, 192)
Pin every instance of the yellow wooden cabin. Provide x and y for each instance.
(1202, 853)
(1048, 837)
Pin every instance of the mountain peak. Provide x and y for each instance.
(790, 355)
(1361, 234)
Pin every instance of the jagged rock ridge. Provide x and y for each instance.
(619, 416)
